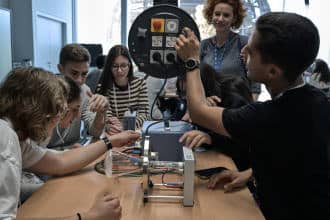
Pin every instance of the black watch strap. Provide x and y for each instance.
(191, 64)
(107, 143)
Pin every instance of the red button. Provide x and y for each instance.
(157, 25)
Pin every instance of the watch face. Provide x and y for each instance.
(191, 63)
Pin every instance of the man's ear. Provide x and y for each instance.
(275, 72)
(60, 68)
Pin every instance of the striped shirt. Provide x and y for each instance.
(134, 97)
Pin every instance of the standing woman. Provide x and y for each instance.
(223, 51)
(127, 94)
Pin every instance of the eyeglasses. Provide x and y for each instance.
(123, 66)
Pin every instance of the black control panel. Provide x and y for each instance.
(152, 38)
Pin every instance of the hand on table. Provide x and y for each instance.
(230, 179)
(105, 206)
(195, 138)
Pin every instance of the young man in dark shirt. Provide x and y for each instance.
(289, 135)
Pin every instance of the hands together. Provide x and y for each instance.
(113, 125)
(97, 103)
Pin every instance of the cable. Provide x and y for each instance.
(156, 98)
(157, 57)
(170, 185)
(152, 124)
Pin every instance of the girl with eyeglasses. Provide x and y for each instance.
(127, 94)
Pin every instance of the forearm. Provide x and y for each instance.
(187, 47)
(69, 161)
(200, 112)
(93, 121)
(84, 216)
(195, 94)
(98, 124)
(76, 159)
(74, 217)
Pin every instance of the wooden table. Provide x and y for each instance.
(65, 196)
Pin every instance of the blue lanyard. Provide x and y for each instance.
(218, 58)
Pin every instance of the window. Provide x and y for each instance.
(99, 22)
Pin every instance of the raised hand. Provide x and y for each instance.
(113, 125)
(187, 45)
(98, 103)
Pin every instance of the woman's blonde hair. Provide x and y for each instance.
(239, 11)
(32, 97)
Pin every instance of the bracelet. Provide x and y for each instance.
(107, 143)
(79, 216)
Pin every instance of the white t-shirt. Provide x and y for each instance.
(13, 157)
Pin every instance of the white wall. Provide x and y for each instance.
(61, 9)
(317, 11)
(22, 31)
(5, 43)
(24, 13)
(4, 3)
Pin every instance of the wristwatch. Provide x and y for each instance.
(191, 64)
(107, 143)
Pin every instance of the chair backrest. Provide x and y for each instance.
(94, 50)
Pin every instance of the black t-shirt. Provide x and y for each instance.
(290, 140)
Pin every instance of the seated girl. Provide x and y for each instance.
(127, 94)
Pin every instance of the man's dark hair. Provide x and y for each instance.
(288, 40)
(74, 53)
(74, 90)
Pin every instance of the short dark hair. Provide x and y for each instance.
(288, 40)
(74, 53)
(74, 90)
(106, 79)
